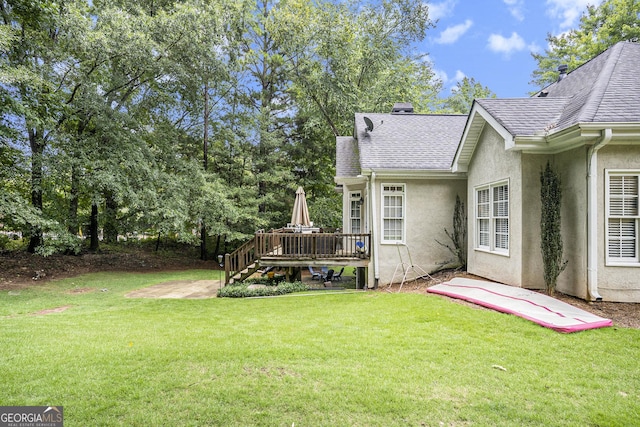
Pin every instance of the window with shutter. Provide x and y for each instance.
(492, 217)
(622, 217)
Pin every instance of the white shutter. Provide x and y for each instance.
(622, 223)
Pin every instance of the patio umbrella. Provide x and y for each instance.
(300, 215)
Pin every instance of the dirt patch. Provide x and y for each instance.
(21, 269)
(51, 310)
(79, 291)
(179, 289)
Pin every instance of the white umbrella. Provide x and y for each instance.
(300, 215)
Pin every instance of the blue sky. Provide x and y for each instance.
(492, 40)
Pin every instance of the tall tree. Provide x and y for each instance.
(463, 94)
(341, 58)
(600, 27)
(36, 83)
(270, 107)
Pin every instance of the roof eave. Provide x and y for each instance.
(414, 173)
(575, 136)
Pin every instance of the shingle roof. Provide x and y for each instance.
(525, 116)
(606, 89)
(347, 158)
(408, 141)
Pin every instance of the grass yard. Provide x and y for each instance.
(352, 359)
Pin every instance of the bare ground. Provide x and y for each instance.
(20, 270)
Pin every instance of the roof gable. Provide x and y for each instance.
(604, 90)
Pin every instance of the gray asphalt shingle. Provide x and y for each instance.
(604, 89)
(408, 141)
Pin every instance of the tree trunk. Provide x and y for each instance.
(111, 222)
(93, 228)
(203, 242)
(217, 250)
(37, 149)
(72, 223)
(205, 165)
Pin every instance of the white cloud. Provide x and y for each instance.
(452, 34)
(568, 11)
(442, 9)
(448, 84)
(501, 44)
(441, 75)
(516, 8)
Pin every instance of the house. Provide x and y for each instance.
(397, 184)
(587, 125)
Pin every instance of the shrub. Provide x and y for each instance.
(551, 236)
(241, 290)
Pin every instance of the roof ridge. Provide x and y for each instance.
(592, 103)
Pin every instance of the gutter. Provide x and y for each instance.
(592, 215)
(374, 228)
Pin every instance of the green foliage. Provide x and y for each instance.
(167, 116)
(241, 290)
(463, 95)
(600, 28)
(550, 223)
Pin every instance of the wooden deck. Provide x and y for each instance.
(292, 249)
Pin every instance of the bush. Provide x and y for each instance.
(241, 290)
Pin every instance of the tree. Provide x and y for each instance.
(463, 94)
(600, 28)
(342, 58)
(550, 223)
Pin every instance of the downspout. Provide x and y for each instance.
(374, 228)
(592, 216)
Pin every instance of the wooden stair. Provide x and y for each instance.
(241, 264)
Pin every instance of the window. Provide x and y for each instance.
(622, 217)
(392, 213)
(355, 209)
(492, 217)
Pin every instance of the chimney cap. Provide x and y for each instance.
(562, 69)
(402, 108)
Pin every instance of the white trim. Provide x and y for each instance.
(387, 193)
(621, 261)
(491, 218)
(354, 198)
(592, 215)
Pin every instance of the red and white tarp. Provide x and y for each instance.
(539, 308)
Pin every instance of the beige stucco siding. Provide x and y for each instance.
(429, 207)
(532, 270)
(572, 168)
(615, 283)
(492, 164)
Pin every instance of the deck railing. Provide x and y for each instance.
(298, 248)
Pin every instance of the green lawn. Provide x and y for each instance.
(352, 359)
